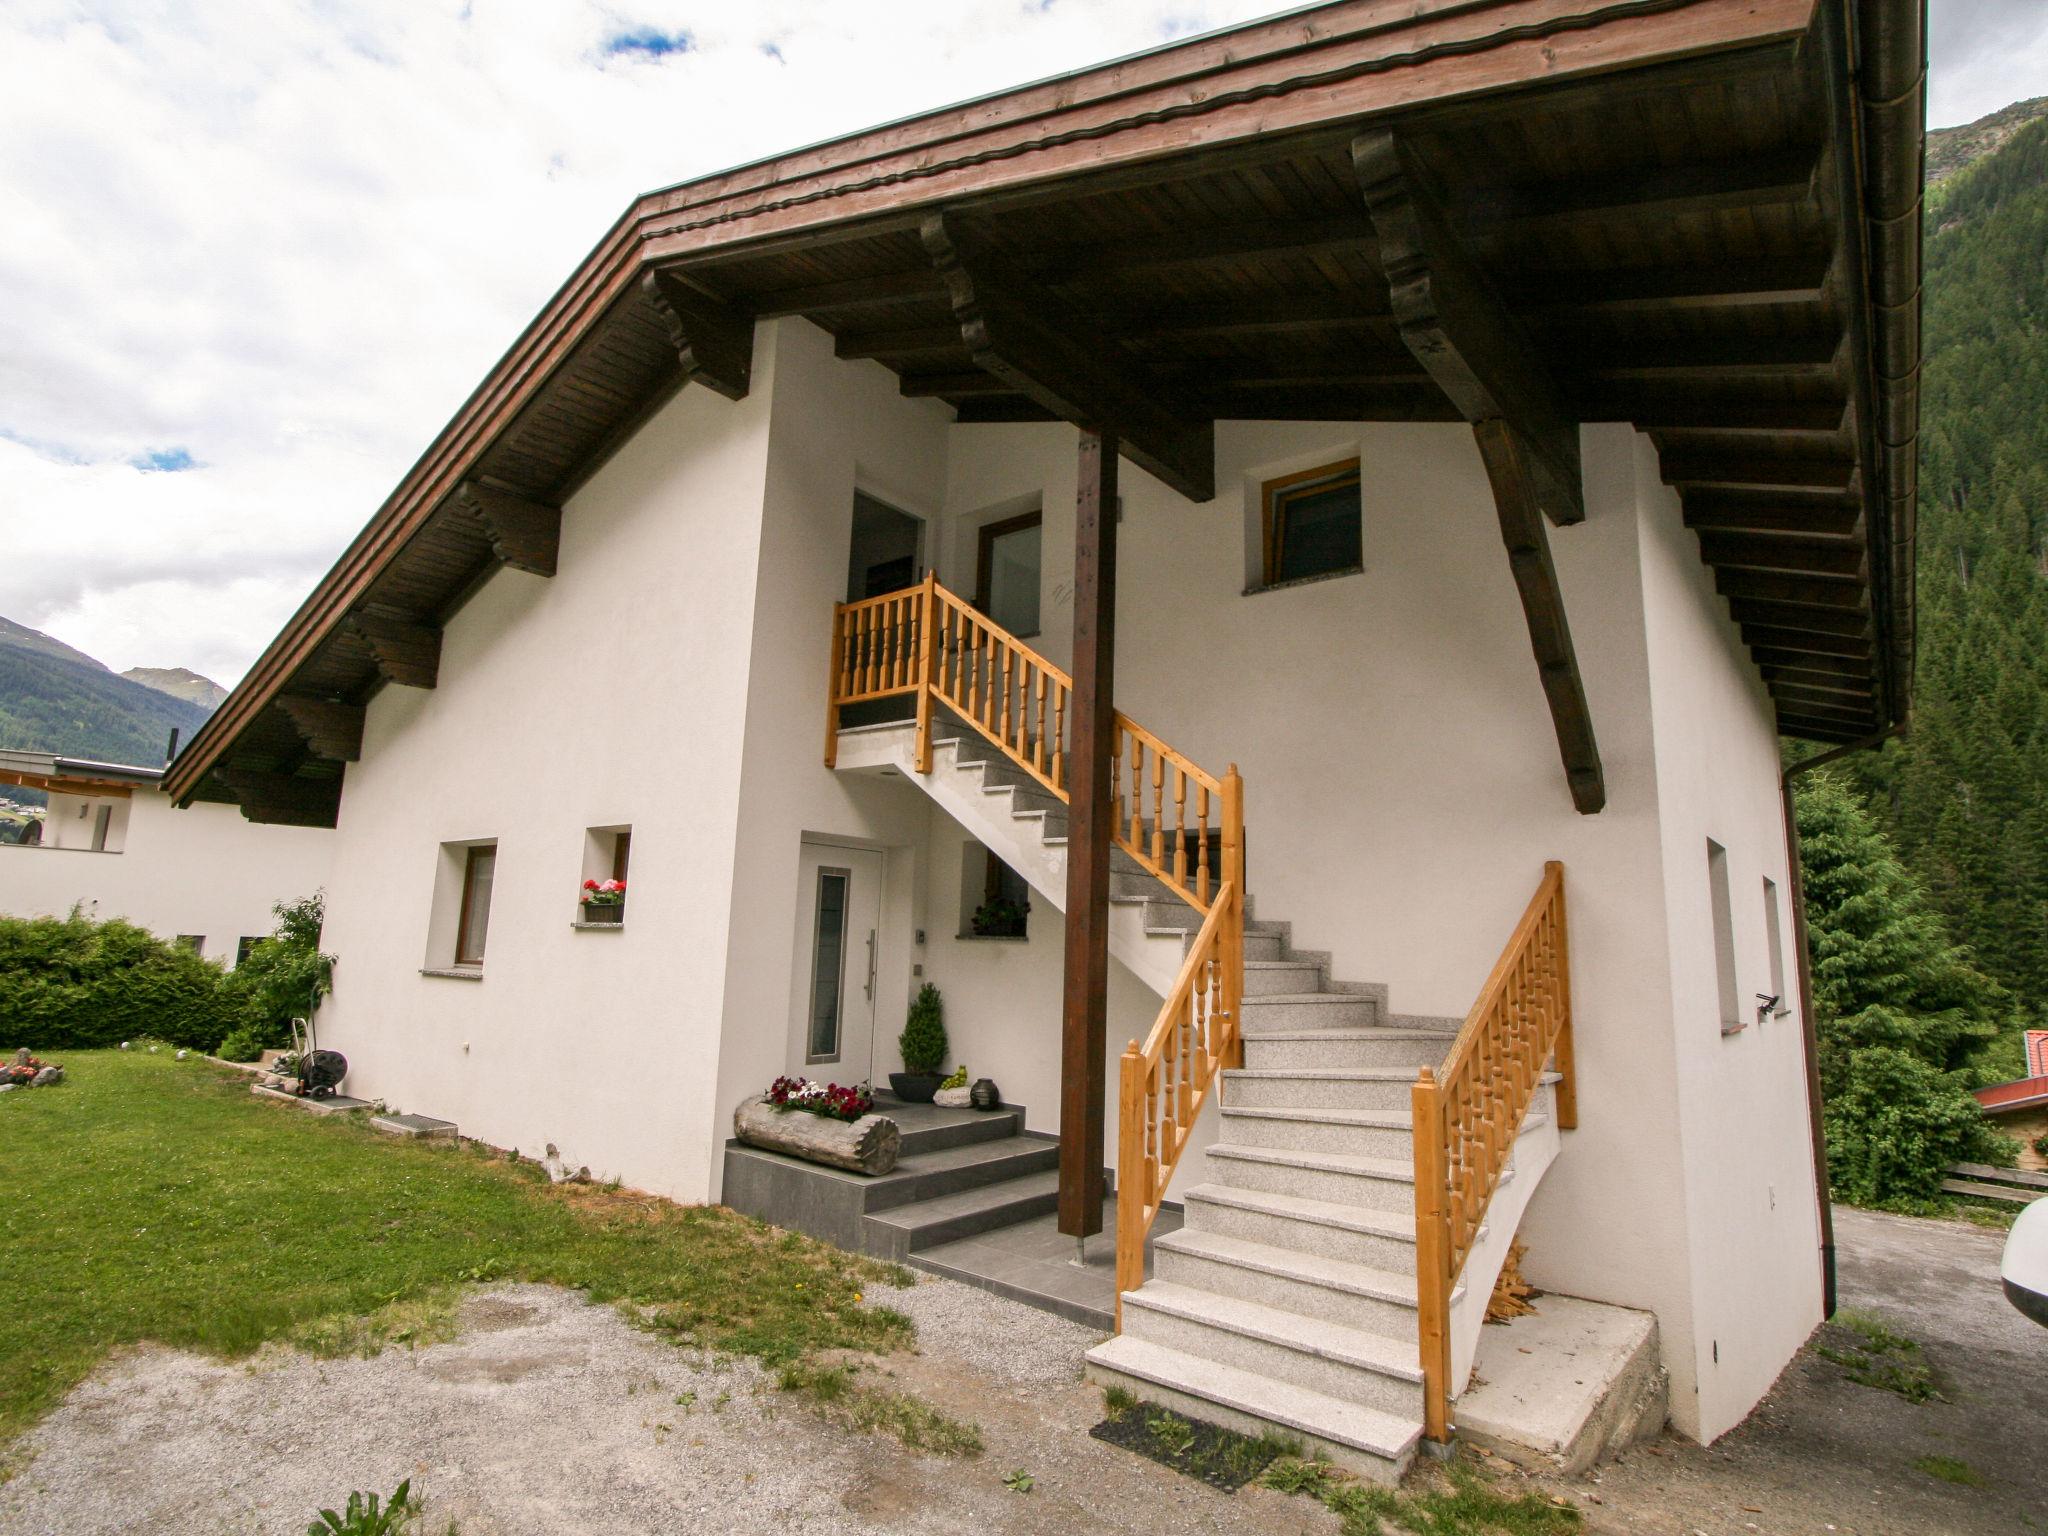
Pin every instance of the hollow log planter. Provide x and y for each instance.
(868, 1145)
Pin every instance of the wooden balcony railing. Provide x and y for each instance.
(1467, 1119)
(929, 642)
(1166, 811)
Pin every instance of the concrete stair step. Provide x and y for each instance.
(1318, 1087)
(971, 1165)
(926, 1223)
(1378, 1183)
(1365, 1440)
(1368, 1046)
(1348, 1133)
(1380, 1239)
(928, 1128)
(1353, 1364)
(1312, 1284)
(1310, 1010)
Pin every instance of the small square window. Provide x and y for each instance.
(245, 946)
(196, 942)
(1313, 524)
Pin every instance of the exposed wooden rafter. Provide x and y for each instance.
(524, 534)
(1459, 329)
(329, 727)
(1019, 333)
(714, 339)
(405, 651)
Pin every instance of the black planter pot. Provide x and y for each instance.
(986, 1095)
(915, 1087)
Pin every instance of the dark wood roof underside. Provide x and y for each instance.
(1688, 245)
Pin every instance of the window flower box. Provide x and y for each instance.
(603, 901)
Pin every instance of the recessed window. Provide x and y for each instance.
(196, 942)
(473, 922)
(245, 946)
(1775, 936)
(1313, 524)
(1729, 1002)
(995, 901)
(1007, 570)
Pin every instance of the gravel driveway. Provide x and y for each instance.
(550, 1415)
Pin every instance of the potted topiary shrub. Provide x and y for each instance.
(923, 1044)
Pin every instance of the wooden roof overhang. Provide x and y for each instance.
(1697, 216)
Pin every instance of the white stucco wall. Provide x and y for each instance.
(1403, 790)
(613, 693)
(1742, 1110)
(204, 871)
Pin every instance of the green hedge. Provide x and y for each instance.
(73, 984)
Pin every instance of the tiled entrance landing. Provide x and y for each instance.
(1033, 1262)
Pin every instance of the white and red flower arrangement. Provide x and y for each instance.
(830, 1100)
(604, 893)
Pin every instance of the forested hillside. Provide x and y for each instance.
(1965, 796)
(56, 699)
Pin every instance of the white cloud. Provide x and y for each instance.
(1984, 54)
(288, 239)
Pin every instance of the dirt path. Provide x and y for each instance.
(1823, 1454)
(548, 1415)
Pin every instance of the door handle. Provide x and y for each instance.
(871, 965)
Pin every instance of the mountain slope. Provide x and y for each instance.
(179, 683)
(1965, 795)
(56, 699)
(1950, 150)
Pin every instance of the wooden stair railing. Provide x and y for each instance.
(1467, 1118)
(929, 642)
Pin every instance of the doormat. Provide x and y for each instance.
(1222, 1458)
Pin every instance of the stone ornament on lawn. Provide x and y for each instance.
(867, 1145)
(26, 1071)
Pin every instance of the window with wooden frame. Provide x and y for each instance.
(473, 919)
(1007, 572)
(1313, 524)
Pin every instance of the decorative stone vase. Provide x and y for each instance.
(614, 913)
(868, 1145)
(915, 1087)
(985, 1094)
(953, 1098)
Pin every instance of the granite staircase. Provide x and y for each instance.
(1288, 1298)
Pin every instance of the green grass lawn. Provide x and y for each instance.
(151, 1199)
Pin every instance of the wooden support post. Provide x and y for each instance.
(927, 667)
(832, 686)
(1432, 1258)
(1091, 826)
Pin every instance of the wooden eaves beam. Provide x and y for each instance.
(282, 799)
(1462, 333)
(714, 340)
(1019, 333)
(329, 727)
(523, 533)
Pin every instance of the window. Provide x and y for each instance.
(473, 923)
(196, 942)
(1313, 524)
(995, 901)
(100, 818)
(1774, 935)
(828, 965)
(1006, 576)
(1724, 937)
(601, 888)
(245, 946)
(622, 848)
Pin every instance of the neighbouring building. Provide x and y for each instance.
(111, 844)
(2020, 1108)
(1272, 572)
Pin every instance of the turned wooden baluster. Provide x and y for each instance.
(1180, 830)
(1009, 683)
(1158, 810)
(1059, 737)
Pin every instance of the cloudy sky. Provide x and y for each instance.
(253, 256)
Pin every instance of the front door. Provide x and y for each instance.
(838, 938)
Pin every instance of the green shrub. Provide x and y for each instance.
(923, 1041)
(1895, 1123)
(283, 978)
(74, 984)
